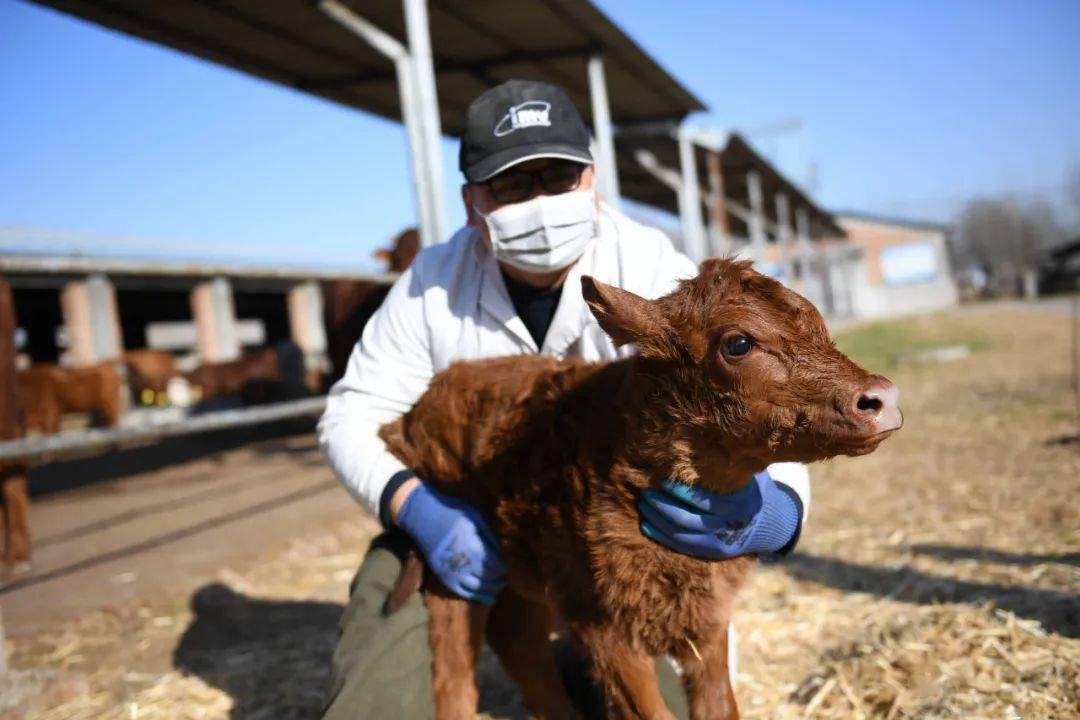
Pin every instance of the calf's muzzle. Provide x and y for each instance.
(877, 406)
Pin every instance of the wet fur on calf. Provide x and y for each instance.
(556, 453)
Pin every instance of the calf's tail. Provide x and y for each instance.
(408, 582)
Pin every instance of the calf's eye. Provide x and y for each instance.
(738, 345)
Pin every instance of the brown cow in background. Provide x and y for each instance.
(398, 258)
(217, 379)
(269, 374)
(349, 304)
(46, 392)
(149, 372)
(13, 483)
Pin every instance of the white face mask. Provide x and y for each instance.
(544, 234)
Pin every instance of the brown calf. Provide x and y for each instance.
(13, 484)
(41, 395)
(349, 304)
(555, 455)
(46, 392)
(269, 374)
(231, 377)
(149, 372)
(403, 250)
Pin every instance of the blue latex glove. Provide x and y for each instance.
(456, 542)
(761, 518)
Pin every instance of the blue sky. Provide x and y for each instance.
(906, 108)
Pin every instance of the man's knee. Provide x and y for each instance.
(378, 572)
(382, 663)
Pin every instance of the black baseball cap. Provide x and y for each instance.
(520, 120)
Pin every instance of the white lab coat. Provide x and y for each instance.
(452, 305)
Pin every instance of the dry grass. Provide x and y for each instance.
(937, 578)
(249, 644)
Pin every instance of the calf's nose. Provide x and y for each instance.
(879, 405)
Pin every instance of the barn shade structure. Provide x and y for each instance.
(422, 62)
(107, 305)
(418, 62)
(737, 196)
(476, 44)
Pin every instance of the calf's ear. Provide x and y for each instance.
(626, 317)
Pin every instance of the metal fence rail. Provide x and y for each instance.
(102, 438)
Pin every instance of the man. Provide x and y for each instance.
(505, 284)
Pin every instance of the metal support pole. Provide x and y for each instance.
(802, 225)
(607, 171)
(81, 441)
(690, 199)
(757, 216)
(650, 164)
(427, 110)
(718, 221)
(810, 288)
(783, 237)
(417, 152)
(410, 114)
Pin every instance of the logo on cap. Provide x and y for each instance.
(533, 113)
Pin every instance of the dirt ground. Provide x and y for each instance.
(937, 578)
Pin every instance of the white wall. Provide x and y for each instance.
(885, 299)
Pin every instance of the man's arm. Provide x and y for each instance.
(389, 370)
(795, 477)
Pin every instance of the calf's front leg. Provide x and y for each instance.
(626, 676)
(518, 630)
(456, 632)
(16, 514)
(707, 678)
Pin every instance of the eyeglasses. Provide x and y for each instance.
(515, 186)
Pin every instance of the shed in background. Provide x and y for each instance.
(902, 267)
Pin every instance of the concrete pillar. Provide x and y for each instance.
(93, 324)
(215, 321)
(1030, 279)
(305, 306)
(718, 220)
(757, 216)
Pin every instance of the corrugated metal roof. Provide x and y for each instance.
(475, 43)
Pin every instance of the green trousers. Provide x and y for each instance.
(382, 663)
